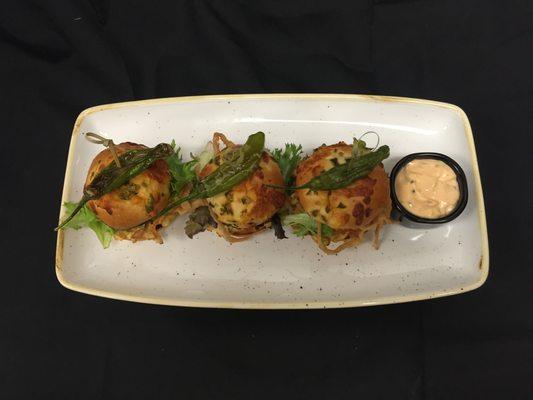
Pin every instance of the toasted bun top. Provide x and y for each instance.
(247, 206)
(136, 201)
(353, 207)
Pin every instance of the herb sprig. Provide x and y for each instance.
(287, 160)
(181, 173)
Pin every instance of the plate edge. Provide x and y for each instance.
(252, 96)
(483, 264)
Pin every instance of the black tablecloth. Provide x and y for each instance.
(60, 57)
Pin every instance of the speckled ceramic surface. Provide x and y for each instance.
(412, 264)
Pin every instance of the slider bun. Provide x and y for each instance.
(356, 206)
(249, 205)
(138, 200)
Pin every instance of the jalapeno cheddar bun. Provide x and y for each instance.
(135, 202)
(246, 207)
(342, 191)
(126, 187)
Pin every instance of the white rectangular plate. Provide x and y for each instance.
(411, 264)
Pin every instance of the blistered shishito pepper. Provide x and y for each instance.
(340, 176)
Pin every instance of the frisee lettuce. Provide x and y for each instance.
(85, 218)
(303, 224)
(181, 173)
(287, 160)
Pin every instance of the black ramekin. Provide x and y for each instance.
(461, 180)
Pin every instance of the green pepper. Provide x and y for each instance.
(236, 169)
(132, 163)
(343, 175)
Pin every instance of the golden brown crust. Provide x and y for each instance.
(249, 205)
(135, 202)
(352, 210)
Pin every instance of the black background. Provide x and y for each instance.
(61, 57)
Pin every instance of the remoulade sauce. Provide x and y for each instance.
(427, 188)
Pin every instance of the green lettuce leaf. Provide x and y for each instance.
(303, 224)
(86, 219)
